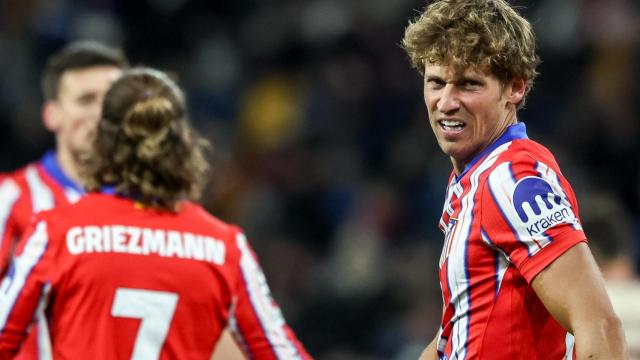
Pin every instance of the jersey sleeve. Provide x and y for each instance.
(9, 196)
(23, 288)
(255, 319)
(530, 213)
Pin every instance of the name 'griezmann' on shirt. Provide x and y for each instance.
(144, 241)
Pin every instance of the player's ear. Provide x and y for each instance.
(515, 90)
(51, 115)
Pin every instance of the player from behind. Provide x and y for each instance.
(517, 277)
(134, 269)
(73, 84)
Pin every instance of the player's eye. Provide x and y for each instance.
(470, 84)
(86, 99)
(435, 83)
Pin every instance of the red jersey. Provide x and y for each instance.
(38, 186)
(506, 217)
(120, 281)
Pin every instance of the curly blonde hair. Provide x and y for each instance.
(145, 147)
(484, 34)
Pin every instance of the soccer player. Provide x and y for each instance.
(135, 269)
(73, 83)
(517, 277)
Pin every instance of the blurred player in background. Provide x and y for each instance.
(517, 277)
(73, 84)
(134, 269)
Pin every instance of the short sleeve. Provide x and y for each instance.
(256, 320)
(529, 211)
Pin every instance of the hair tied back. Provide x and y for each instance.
(147, 117)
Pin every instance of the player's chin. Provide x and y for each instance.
(451, 148)
(81, 152)
(459, 151)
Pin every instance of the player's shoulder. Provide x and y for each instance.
(17, 188)
(90, 206)
(18, 176)
(527, 156)
(527, 149)
(198, 216)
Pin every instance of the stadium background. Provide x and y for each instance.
(321, 147)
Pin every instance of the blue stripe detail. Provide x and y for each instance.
(497, 260)
(506, 219)
(513, 132)
(51, 165)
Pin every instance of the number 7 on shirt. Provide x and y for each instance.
(155, 309)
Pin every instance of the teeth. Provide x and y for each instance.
(451, 123)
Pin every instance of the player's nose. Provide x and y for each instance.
(448, 101)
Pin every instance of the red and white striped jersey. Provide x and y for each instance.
(38, 186)
(506, 217)
(121, 281)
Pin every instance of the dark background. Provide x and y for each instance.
(323, 153)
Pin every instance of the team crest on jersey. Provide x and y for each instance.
(539, 207)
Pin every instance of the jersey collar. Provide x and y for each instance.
(52, 167)
(513, 132)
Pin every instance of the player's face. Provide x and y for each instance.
(468, 111)
(78, 107)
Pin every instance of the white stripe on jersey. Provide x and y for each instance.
(269, 315)
(44, 339)
(569, 342)
(22, 265)
(41, 196)
(235, 330)
(457, 267)
(9, 194)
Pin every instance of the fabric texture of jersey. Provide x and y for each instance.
(506, 217)
(120, 281)
(39, 186)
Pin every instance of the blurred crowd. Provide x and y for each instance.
(321, 147)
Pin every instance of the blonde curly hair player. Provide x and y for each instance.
(517, 277)
(134, 269)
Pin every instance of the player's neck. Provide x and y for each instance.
(68, 164)
(458, 166)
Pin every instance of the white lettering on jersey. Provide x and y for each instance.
(144, 241)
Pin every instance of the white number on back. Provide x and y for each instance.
(155, 309)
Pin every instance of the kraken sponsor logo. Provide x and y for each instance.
(538, 207)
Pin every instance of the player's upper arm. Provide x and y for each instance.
(9, 195)
(572, 288)
(22, 287)
(573, 291)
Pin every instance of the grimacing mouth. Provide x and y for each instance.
(451, 124)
